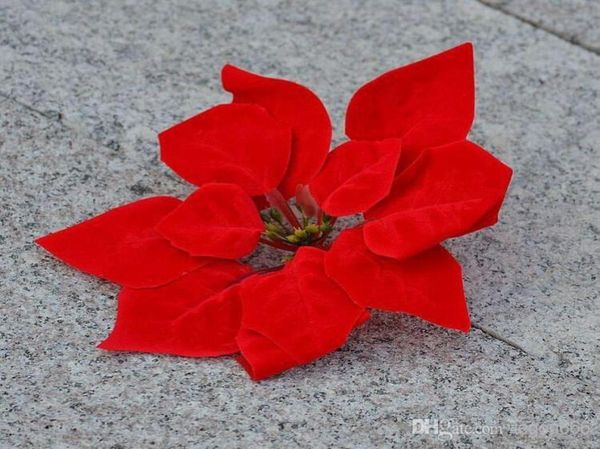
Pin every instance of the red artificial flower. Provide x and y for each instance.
(407, 167)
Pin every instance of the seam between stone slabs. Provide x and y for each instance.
(534, 359)
(53, 117)
(50, 115)
(562, 36)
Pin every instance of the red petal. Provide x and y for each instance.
(233, 143)
(293, 316)
(447, 192)
(428, 285)
(429, 102)
(293, 105)
(192, 316)
(356, 176)
(122, 246)
(218, 220)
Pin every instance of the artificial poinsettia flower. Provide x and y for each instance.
(265, 176)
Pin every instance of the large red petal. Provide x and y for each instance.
(428, 285)
(192, 316)
(218, 220)
(429, 102)
(122, 246)
(448, 191)
(294, 316)
(356, 176)
(233, 143)
(295, 106)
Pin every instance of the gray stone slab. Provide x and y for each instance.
(574, 20)
(118, 72)
(58, 391)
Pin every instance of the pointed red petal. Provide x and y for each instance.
(293, 316)
(232, 143)
(192, 316)
(449, 191)
(429, 102)
(428, 285)
(293, 105)
(356, 176)
(122, 246)
(217, 220)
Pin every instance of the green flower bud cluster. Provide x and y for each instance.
(277, 230)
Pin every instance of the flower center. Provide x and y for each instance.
(310, 232)
(288, 229)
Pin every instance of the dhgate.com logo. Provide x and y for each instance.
(445, 429)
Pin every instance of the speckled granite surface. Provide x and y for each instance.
(574, 20)
(85, 87)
